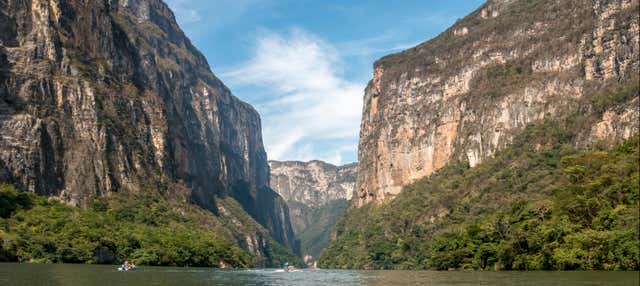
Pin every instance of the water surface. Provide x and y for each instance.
(99, 275)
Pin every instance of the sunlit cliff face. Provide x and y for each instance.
(439, 102)
(100, 97)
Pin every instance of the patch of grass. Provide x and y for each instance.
(498, 80)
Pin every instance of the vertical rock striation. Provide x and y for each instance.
(100, 97)
(464, 94)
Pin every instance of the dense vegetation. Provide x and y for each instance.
(148, 229)
(539, 204)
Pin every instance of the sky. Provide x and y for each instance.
(304, 64)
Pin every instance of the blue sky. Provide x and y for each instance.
(304, 64)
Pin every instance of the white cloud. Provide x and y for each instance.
(313, 112)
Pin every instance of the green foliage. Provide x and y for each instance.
(540, 204)
(11, 201)
(147, 230)
(614, 93)
(498, 80)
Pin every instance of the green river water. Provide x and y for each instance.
(100, 275)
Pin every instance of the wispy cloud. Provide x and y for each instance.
(439, 19)
(315, 113)
(308, 88)
(198, 16)
(381, 44)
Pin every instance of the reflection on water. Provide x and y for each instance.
(90, 275)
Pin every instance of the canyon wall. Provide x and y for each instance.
(464, 94)
(101, 97)
(312, 183)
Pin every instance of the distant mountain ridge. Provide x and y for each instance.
(312, 183)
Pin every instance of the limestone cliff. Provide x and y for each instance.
(101, 97)
(312, 183)
(464, 94)
(316, 193)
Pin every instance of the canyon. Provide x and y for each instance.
(509, 141)
(316, 193)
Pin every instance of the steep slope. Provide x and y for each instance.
(464, 94)
(317, 194)
(103, 97)
(496, 137)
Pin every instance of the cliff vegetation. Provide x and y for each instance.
(540, 204)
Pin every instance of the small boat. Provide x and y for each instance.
(124, 268)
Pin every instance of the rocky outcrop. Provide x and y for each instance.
(312, 183)
(100, 97)
(316, 193)
(464, 94)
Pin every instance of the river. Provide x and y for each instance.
(104, 275)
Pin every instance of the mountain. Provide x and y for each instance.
(317, 194)
(100, 99)
(465, 94)
(494, 145)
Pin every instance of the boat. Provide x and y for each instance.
(123, 268)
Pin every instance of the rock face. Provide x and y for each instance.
(317, 194)
(100, 97)
(312, 183)
(464, 94)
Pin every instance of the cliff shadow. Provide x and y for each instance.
(269, 209)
